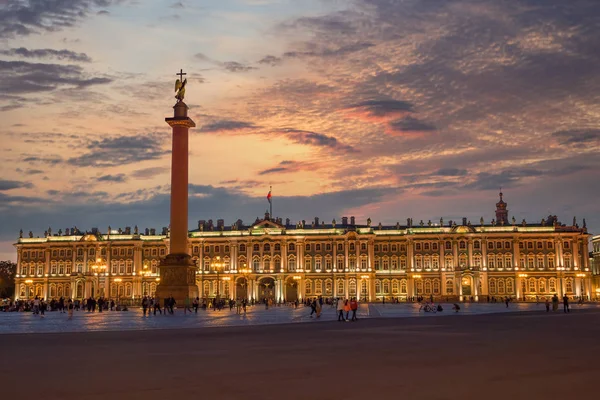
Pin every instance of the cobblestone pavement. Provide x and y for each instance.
(55, 322)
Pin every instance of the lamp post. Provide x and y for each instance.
(118, 281)
(217, 265)
(245, 271)
(99, 271)
(415, 277)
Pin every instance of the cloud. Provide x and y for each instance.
(112, 178)
(147, 173)
(329, 52)
(103, 12)
(34, 171)
(121, 150)
(20, 18)
(451, 172)
(316, 139)
(230, 66)
(286, 166)
(9, 185)
(178, 4)
(270, 60)
(51, 160)
(578, 137)
(227, 125)
(47, 53)
(20, 77)
(409, 125)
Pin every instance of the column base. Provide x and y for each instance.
(177, 279)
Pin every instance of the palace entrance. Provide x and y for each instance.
(241, 288)
(291, 289)
(266, 289)
(466, 282)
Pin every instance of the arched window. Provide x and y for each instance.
(508, 261)
(386, 263)
(128, 289)
(449, 263)
(328, 287)
(551, 262)
(318, 263)
(395, 286)
(307, 263)
(418, 262)
(377, 263)
(318, 286)
(267, 247)
(567, 261)
(427, 286)
(530, 262)
(569, 285)
(255, 263)
(352, 263)
(449, 286)
(52, 290)
(427, 262)
(122, 267)
(552, 285)
(242, 248)
(403, 286)
(477, 260)
(501, 286)
(510, 285)
(394, 263)
(340, 288)
(500, 262)
(308, 287)
(532, 285)
(277, 264)
(462, 260)
(542, 285)
(352, 287)
(492, 286)
(340, 263)
(377, 286)
(436, 286)
(291, 263)
(206, 289)
(540, 261)
(491, 261)
(129, 266)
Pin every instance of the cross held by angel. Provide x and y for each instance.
(180, 86)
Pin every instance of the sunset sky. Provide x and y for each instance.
(385, 109)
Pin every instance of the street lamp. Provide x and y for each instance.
(217, 265)
(416, 276)
(118, 281)
(245, 271)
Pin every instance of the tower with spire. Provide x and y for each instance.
(501, 211)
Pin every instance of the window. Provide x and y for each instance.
(267, 248)
(207, 265)
(54, 253)
(318, 247)
(352, 247)
(477, 244)
(122, 267)
(567, 261)
(462, 245)
(499, 245)
(62, 253)
(395, 287)
(449, 287)
(130, 252)
(403, 263)
(227, 249)
(435, 262)
(521, 245)
(308, 287)
(53, 268)
(540, 245)
(217, 249)
(40, 270)
(385, 248)
(492, 286)
(242, 248)
(328, 263)
(501, 287)
(449, 262)
(394, 264)
(434, 246)
(448, 245)
(566, 245)
(403, 248)
(436, 287)
(340, 288)
(542, 285)
(277, 247)
(507, 245)
(540, 261)
(552, 285)
(510, 286)
(490, 245)
(340, 247)
(292, 247)
(363, 247)
(532, 285)
(328, 247)
(394, 248)
(550, 245)
(491, 261)
(154, 252)
(318, 286)
(417, 246)
(61, 268)
(386, 286)
(255, 248)
(551, 261)
(418, 263)
(291, 264)
(195, 250)
(307, 247)
(318, 264)
(426, 246)
(255, 264)
(340, 264)
(363, 263)
(529, 245)
(403, 286)
(500, 261)
(352, 264)
(386, 264)
(80, 252)
(376, 247)
(207, 249)
(162, 252)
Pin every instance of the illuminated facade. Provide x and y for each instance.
(595, 266)
(285, 262)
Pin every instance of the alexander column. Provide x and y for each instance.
(177, 271)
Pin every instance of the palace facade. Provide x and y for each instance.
(283, 261)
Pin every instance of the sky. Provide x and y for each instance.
(381, 109)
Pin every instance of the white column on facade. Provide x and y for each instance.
(371, 255)
(470, 252)
(232, 256)
(346, 268)
(410, 255)
(284, 260)
(576, 263)
(46, 286)
(455, 256)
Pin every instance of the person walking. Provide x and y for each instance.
(196, 304)
(547, 305)
(313, 307)
(554, 303)
(145, 305)
(340, 310)
(347, 308)
(318, 308)
(354, 307)
(506, 300)
(70, 309)
(566, 304)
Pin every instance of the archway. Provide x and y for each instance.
(241, 288)
(291, 289)
(266, 289)
(466, 283)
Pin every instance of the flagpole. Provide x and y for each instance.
(271, 203)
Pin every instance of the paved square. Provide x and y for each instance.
(514, 355)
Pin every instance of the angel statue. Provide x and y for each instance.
(180, 89)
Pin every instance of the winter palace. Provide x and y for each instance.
(286, 261)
